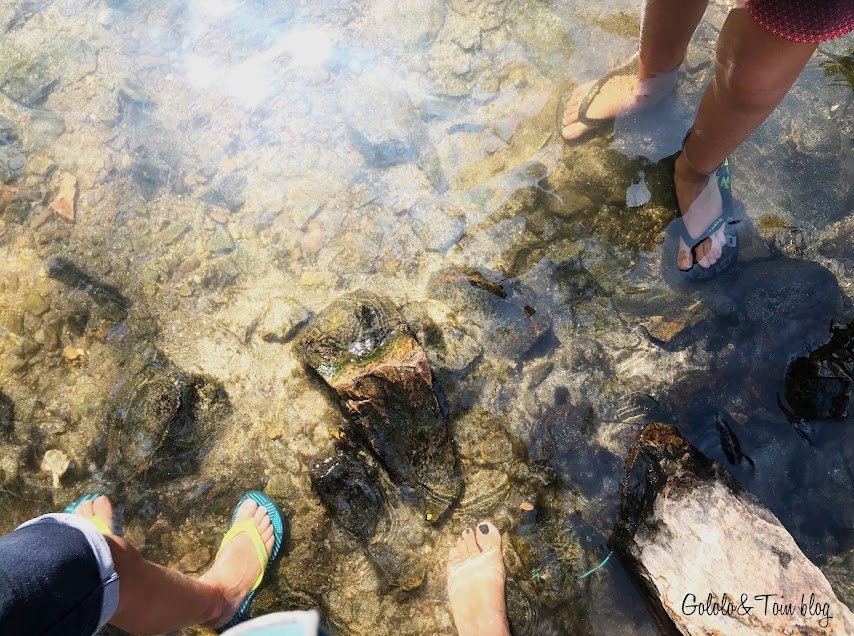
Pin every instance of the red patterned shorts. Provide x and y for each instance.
(808, 21)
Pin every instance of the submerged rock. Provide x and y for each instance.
(7, 417)
(702, 550)
(66, 272)
(363, 349)
(160, 421)
(509, 324)
(818, 386)
(352, 492)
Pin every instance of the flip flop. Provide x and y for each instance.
(729, 254)
(629, 67)
(277, 518)
(99, 523)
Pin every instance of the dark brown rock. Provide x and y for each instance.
(363, 349)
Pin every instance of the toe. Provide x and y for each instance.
(269, 538)
(86, 509)
(102, 508)
(470, 542)
(705, 257)
(684, 260)
(488, 537)
(246, 511)
(260, 515)
(573, 131)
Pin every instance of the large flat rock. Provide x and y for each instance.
(708, 556)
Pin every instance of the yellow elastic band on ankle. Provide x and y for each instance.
(101, 525)
(249, 528)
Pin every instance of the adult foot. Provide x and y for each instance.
(621, 94)
(99, 507)
(700, 202)
(476, 583)
(237, 566)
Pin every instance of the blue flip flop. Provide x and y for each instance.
(277, 518)
(71, 508)
(74, 505)
(729, 254)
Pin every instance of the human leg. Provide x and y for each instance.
(154, 599)
(56, 577)
(666, 29)
(754, 70)
(476, 583)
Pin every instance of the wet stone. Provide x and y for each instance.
(7, 417)
(30, 70)
(671, 498)
(107, 296)
(147, 177)
(43, 129)
(34, 304)
(228, 192)
(362, 501)
(818, 386)
(437, 230)
(161, 421)
(363, 349)
(282, 321)
(498, 320)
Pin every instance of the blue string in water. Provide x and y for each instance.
(589, 572)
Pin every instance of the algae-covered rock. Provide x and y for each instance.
(363, 349)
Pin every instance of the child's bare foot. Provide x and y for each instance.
(237, 566)
(476, 583)
(700, 201)
(99, 507)
(621, 94)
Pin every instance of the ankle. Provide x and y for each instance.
(685, 171)
(217, 595)
(650, 69)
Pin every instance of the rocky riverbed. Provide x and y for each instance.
(189, 189)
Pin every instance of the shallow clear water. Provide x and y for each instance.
(237, 165)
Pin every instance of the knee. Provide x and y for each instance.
(746, 87)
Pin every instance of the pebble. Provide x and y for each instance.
(65, 203)
(312, 240)
(71, 353)
(34, 304)
(55, 463)
(17, 162)
(185, 291)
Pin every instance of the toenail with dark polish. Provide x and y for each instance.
(468, 530)
(484, 528)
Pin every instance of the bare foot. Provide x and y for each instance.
(237, 566)
(99, 507)
(700, 200)
(620, 95)
(476, 583)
